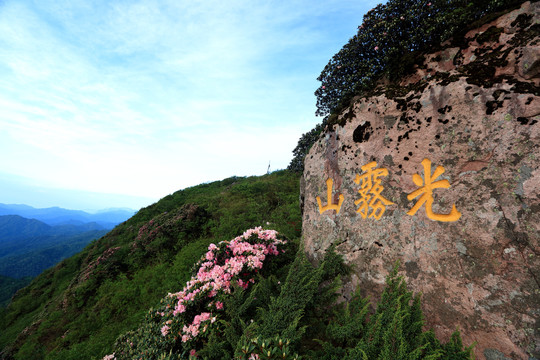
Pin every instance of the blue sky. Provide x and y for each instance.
(133, 100)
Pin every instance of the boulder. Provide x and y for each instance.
(441, 172)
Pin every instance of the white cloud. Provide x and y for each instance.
(146, 97)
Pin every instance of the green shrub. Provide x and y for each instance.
(265, 349)
(303, 147)
(388, 39)
(388, 43)
(291, 312)
(394, 331)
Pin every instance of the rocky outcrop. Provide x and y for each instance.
(442, 173)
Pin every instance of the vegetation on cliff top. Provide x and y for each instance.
(388, 43)
(390, 38)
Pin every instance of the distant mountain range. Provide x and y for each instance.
(108, 218)
(32, 240)
(29, 246)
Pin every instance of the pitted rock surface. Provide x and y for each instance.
(475, 111)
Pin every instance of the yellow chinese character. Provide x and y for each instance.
(370, 191)
(427, 193)
(330, 206)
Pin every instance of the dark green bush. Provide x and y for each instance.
(302, 148)
(388, 43)
(388, 40)
(291, 313)
(394, 331)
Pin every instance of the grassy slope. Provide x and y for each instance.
(78, 308)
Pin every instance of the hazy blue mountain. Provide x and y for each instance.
(29, 246)
(55, 215)
(43, 253)
(14, 227)
(9, 286)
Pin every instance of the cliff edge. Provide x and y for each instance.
(441, 172)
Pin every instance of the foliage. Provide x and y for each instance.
(302, 148)
(266, 349)
(299, 319)
(388, 40)
(184, 319)
(394, 331)
(8, 287)
(388, 43)
(106, 289)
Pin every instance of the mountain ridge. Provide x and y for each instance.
(108, 218)
(29, 246)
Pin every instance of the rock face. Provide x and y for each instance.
(442, 173)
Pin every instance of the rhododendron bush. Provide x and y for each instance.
(247, 299)
(386, 40)
(388, 43)
(185, 319)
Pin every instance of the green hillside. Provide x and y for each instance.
(112, 296)
(78, 308)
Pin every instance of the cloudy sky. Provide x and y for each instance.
(129, 101)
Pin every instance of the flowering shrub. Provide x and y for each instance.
(186, 318)
(297, 318)
(387, 43)
(387, 37)
(223, 265)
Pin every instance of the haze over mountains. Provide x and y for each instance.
(16, 189)
(107, 218)
(32, 240)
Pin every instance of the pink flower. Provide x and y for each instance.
(165, 330)
(323, 87)
(242, 284)
(376, 48)
(241, 257)
(180, 308)
(193, 353)
(429, 4)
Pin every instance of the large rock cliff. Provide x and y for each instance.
(442, 173)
